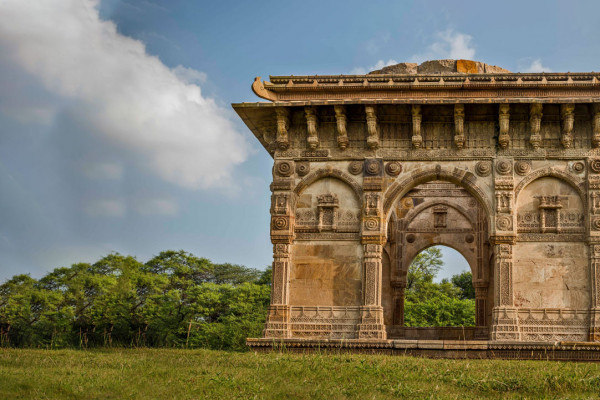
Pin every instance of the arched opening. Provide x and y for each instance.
(439, 290)
(438, 213)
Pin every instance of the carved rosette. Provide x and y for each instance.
(372, 128)
(503, 167)
(283, 124)
(340, 118)
(522, 167)
(302, 168)
(417, 139)
(595, 165)
(483, 168)
(459, 126)
(596, 125)
(578, 167)
(372, 167)
(393, 168)
(535, 123)
(311, 125)
(504, 223)
(504, 119)
(284, 168)
(567, 112)
(355, 167)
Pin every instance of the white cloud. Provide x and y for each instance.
(122, 92)
(109, 171)
(163, 207)
(378, 65)
(448, 44)
(106, 208)
(536, 66)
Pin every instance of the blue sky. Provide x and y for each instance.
(116, 132)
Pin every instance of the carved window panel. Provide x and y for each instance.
(440, 214)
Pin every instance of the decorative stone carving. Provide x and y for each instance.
(595, 196)
(504, 223)
(535, 122)
(578, 167)
(504, 202)
(417, 139)
(393, 168)
(355, 167)
(311, 124)
(280, 223)
(567, 112)
(327, 204)
(483, 168)
(283, 123)
(410, 238)
(469, 238)
(522, 167)
(595, 165)
(284, 168)
(302, 168)
(503, 167)
(459, 125)
(373, 167)
(504, 119)
(372, 128)
(596, 125)
(340, 117)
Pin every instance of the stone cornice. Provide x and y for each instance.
(435, 88)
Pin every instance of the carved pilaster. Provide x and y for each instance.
(535, 123)
(481, 292)
(311, 125)
(278, 316)
(596, 125)
(399, 288)
(372, 128)
(283, 124)
(567, 112)
(505, 324)
(594, 334)
(372, 325)
(417, 139)
(459, 125)
(504, 120)
(340, 117)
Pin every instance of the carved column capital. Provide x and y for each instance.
(341, 120)
(372, 127)
(567, 112)
(283, 124)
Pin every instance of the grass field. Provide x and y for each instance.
(202, 374)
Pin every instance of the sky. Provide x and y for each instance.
(116, 130)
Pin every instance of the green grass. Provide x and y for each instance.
(201, 374)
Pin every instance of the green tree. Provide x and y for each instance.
(424, 266)
(464, 281)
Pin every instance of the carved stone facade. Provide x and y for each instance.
(370, 170)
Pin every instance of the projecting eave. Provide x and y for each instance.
(432, 88)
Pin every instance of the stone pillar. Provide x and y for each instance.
(505, 325)
(481, 293)
(372, 326)
(399, 292)
(373, 237)
(594, 334)
(282, 235)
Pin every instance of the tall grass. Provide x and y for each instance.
(202, 374)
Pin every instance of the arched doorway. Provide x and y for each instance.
(436, 213)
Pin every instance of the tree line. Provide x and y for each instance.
(179, 300)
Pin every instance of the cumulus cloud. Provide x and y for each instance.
(448, 44)
(121, 92)
(536, 66)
